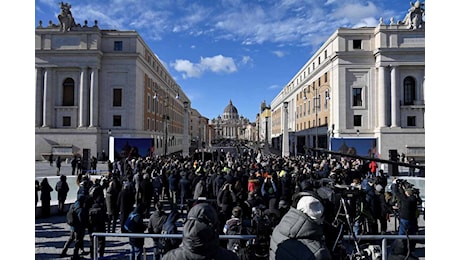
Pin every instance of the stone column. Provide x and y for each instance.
(47, 98)
(395, 97)
(94, 97)
(38, 97)
(382, 98)
(82, 109)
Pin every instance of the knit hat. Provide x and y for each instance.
(312, 207)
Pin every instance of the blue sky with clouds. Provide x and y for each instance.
(222, 50)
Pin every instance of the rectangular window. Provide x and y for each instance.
(357, 44)
(411, 121)
(118, 46)
(117, 95)
(325, 54)
(357, 120)
(325, 77)
(66, 121)
(357, 97)
(116, 120)
(319, 60)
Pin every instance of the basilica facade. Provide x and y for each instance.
(230, 125)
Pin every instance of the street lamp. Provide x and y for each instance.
(285, 149)
(165, 120)
(266, 134)
(186, 142)
(316, 101)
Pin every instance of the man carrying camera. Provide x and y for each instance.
(407, 204)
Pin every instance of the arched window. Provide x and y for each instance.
(409, 91)
(68, 97)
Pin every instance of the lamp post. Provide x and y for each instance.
(165, 120)
(266, 135)
(186, 142)
(285, 148)
(316, 117)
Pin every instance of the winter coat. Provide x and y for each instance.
(201, 238)
(298, 237)
(46, 190)
(111, 199)
(62, 188)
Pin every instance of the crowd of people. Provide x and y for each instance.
(290, 204)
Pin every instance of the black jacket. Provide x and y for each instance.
(201, 238)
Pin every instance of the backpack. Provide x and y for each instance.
(169, 227)
(130, 223)
(96, 215)
(72, 216)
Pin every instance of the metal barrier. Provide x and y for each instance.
(384, 239)
(145, 235)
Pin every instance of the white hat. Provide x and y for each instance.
(378, 188)
(312, 207)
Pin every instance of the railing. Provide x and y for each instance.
(384, 239)
(145, 235)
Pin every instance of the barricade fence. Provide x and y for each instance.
(384, 239)
(146, 235)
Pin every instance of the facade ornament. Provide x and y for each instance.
(413, 19)
(65, 18)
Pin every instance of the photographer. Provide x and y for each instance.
(407, 202)
(300, 235)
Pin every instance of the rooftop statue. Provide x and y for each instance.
(65, 17)
(413, 18)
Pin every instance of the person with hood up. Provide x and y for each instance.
(201, 237)
(299, 235)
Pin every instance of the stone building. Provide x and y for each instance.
(230, 125)
(93, 84)
(362, 84)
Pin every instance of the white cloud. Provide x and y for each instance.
(279, 54)
(274, 87)
(189, 69)
(246, 60)
(217, 64)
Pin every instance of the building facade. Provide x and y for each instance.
(93, 84)
(230, 125)
(362, 84)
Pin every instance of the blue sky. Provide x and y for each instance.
(217, 51)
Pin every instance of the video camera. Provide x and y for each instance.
(404, 184)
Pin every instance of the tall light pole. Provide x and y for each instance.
(165, 120)
(186, 141)
(316, 99)
(266, 135)
(285, 148)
